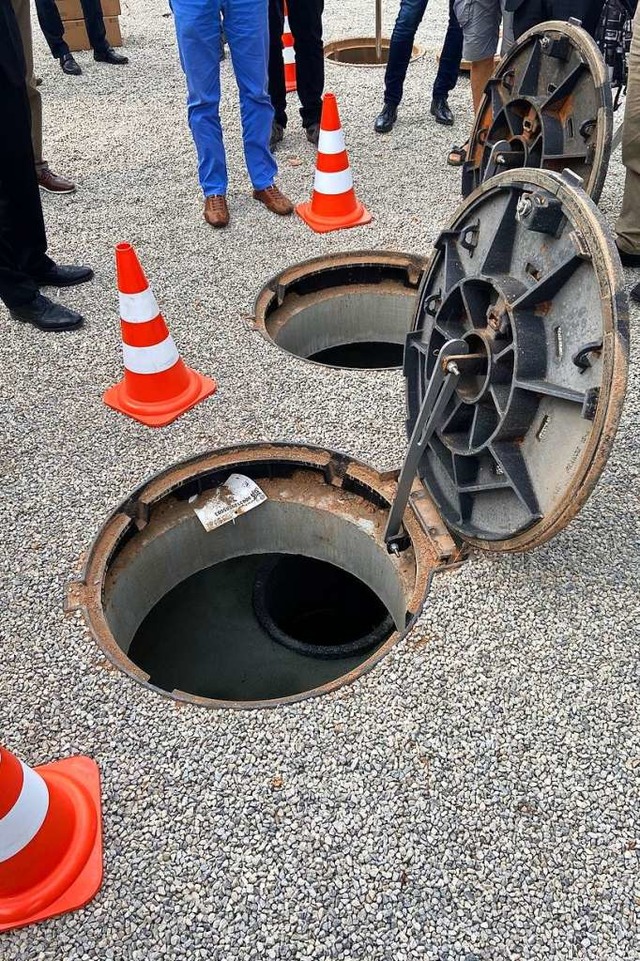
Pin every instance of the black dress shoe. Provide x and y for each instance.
(312, 133)
(635, 293)
(108, 55)
(61, 276)
(441, 110)
(629, 260)
(70, 65)
(386, 119)
(277, 134)
(47, 315)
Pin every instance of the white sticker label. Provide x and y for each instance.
(236, 496)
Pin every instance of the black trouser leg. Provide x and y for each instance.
(94, 20)
(51, 26)
(450, 57)
(305, 17)
(277, 90)
(23, 241)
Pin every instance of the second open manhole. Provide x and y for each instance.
(362, 52)
(347, 310)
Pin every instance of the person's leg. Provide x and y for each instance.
(23, 241)
(305, 19)
(480, 22)
(22, 10)
(94, 22)
(407, 22)
(52, 27)
(628, 224)
(529, 14)
(480, 73)
(197, 24)
(247, 27)
(277, 91)
(449, 66)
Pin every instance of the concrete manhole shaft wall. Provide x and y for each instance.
(348, 310)
(320, 506)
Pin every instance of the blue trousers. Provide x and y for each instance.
(246, 28)
(408, 20)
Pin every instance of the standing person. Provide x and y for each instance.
(24, 265)
(305, 19)
(53, 29)
(246, 28)
(529, 13)
(47, 179)
(408, 20)
(628, 224)
(480, 21)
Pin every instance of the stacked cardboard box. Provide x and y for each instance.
(75, 32)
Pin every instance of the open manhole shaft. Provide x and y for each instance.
(349, 310)
(547, 105)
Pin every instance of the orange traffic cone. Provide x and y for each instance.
(333, 201)
(157, 385)
(50, 838)
(288, 54)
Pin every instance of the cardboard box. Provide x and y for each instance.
(75, 33)
(72, 9)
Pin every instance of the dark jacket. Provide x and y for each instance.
(12, 64)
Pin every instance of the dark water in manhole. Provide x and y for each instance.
(368, 354)
(359, 54)
(204, 637)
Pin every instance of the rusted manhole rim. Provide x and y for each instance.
(288, 299)
(318, 479)
(337, 50)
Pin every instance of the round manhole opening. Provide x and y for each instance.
(318, 609)
(351, 311)
(291, 597)
(362, 52)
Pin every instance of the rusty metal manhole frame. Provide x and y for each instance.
(276, 288)
(433, 547)
(347, 43)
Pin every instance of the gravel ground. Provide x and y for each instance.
(475, 796)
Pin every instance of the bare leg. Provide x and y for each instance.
(481, 71)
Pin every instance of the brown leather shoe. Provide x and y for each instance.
(53, 182)
(216, 212)
(274, 200)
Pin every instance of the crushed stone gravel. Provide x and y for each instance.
(473, 798)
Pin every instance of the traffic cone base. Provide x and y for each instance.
(78, 876)
(323, 224)
(160, 413)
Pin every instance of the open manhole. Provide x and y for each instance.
(263, 574)
(350, 310)
(547, 105)
(294, 597)
(362, 52)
